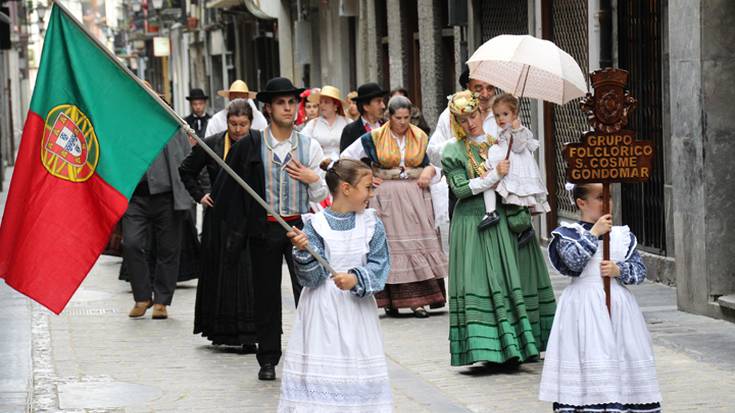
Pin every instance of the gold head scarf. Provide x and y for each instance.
(461, 103)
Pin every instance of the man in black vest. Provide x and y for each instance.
(282, 166)
(199, 117)
(370, 103)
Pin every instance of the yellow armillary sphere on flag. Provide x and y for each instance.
(70, 149)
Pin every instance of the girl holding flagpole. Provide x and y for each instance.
(335, 360)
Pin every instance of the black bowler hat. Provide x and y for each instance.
(197, 94)
(368, 91)
(278, 86)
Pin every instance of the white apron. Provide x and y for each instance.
(593, 358)
(335, 360)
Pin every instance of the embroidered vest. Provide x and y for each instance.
(285, 195)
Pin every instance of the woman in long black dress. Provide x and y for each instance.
(224, 303)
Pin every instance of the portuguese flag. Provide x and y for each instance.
(90, 135)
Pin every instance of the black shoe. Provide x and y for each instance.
(525, 237)
(267, 372)
(391, 312)
(490, 219)
(249, 349)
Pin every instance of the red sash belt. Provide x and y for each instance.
(290, 218)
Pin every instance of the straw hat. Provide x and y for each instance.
(238, 86)
(312, 95)
(330, 92)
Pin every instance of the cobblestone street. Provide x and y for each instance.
(94, 358)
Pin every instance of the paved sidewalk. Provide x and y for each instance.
(15, 339)
(94, 358)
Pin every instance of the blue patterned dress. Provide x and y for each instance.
(370, 278)
(600, 358)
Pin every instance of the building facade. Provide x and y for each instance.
(679, 61)
(678, 53)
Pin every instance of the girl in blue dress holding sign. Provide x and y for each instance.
(597, 361)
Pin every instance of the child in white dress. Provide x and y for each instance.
(597, 361)
(523, 185)
(335, 360)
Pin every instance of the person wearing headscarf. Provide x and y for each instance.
(501, 301)
(308, 108)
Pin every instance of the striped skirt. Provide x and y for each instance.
(418, 263)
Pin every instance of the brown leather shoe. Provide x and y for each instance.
(159, 312)
(140, 308)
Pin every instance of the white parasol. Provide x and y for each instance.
(528, 67)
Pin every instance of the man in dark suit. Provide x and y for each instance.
(199, 117)
(371, 104)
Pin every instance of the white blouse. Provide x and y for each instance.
(327, 136)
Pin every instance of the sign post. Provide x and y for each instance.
(608, 153)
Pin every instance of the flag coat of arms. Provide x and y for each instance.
(91, 132)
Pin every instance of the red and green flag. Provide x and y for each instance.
(90, 134)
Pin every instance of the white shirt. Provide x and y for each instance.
(443, 135)
(318, 190)
(218, 122)
(327, 136)
(372, 126)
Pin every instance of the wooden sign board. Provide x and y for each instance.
(608, 153)
(609, 157)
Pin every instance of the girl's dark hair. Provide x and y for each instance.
(507, 99)
(343, 170)
(239, 107)
(580, 191)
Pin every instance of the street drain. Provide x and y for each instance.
(90, 311)
(101, 395)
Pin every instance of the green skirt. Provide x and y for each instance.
(496, 315)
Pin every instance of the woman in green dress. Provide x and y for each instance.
(500, 297)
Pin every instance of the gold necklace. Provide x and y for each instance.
(478, 168)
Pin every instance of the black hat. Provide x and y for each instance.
(464, 78)
(368, 91)
(278, 86)
(197, 94)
